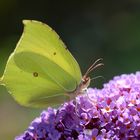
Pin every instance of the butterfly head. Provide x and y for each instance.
(85, 81)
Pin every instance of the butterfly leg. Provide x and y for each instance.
(87, 93)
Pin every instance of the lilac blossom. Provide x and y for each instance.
(110, 113)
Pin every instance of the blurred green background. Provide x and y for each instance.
(91, 29)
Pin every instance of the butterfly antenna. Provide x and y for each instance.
(97, 78)
(91, 100)
(94, 66)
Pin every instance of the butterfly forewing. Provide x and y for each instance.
(41, 71)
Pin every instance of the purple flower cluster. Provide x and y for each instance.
(110, 113)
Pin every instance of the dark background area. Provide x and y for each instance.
(91, 29)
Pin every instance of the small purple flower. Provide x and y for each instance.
(110, 113)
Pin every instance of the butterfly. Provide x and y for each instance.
(41, 71)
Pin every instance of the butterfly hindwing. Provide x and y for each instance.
(41, 71)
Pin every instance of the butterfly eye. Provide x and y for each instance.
(85, 80)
